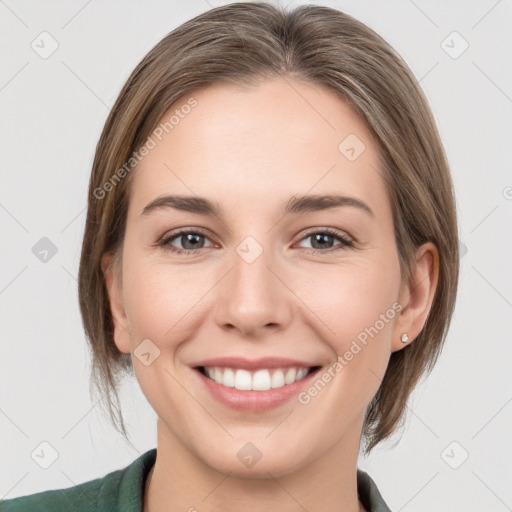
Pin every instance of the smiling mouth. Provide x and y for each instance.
(259, 380)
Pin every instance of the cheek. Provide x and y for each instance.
(153, 305)
(357, 308)
(357, 305)
(161, 302)
(161, 305)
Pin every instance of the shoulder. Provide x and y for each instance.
(369, 494)
(80, 497)
(119, 490)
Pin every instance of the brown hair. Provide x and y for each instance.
(242, 43)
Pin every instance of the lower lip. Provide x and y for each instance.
(254, 401)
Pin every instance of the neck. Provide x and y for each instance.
(181, 481)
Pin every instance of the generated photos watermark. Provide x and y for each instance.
(151, 143)
(304, 397)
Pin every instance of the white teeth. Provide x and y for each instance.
(229, 378)
(242, 380)
(260, 380)
(301, 373)
(290, 376)
(278, 379)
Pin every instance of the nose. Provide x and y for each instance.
(253, 297)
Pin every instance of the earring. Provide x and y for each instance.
(404, 337)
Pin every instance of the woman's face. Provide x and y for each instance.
(267, 275)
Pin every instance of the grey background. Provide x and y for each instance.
(52, 111)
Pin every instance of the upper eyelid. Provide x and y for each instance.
(333, 231)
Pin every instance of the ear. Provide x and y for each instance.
(115, 294)
(416, 296)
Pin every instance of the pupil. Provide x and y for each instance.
(189, 238)
(322, 238)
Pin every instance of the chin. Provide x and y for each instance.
(244, 460)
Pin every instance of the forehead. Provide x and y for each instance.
(279, 138)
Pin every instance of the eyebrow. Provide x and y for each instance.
(295, 205)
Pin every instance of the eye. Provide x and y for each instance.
(191, 240)
(322, 240)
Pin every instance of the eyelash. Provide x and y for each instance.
(346, 243)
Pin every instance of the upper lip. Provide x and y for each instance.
(252, 364)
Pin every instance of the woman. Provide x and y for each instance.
(271, 247)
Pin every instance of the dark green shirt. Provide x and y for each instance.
(123, 491)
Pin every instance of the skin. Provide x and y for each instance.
(250, 150)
